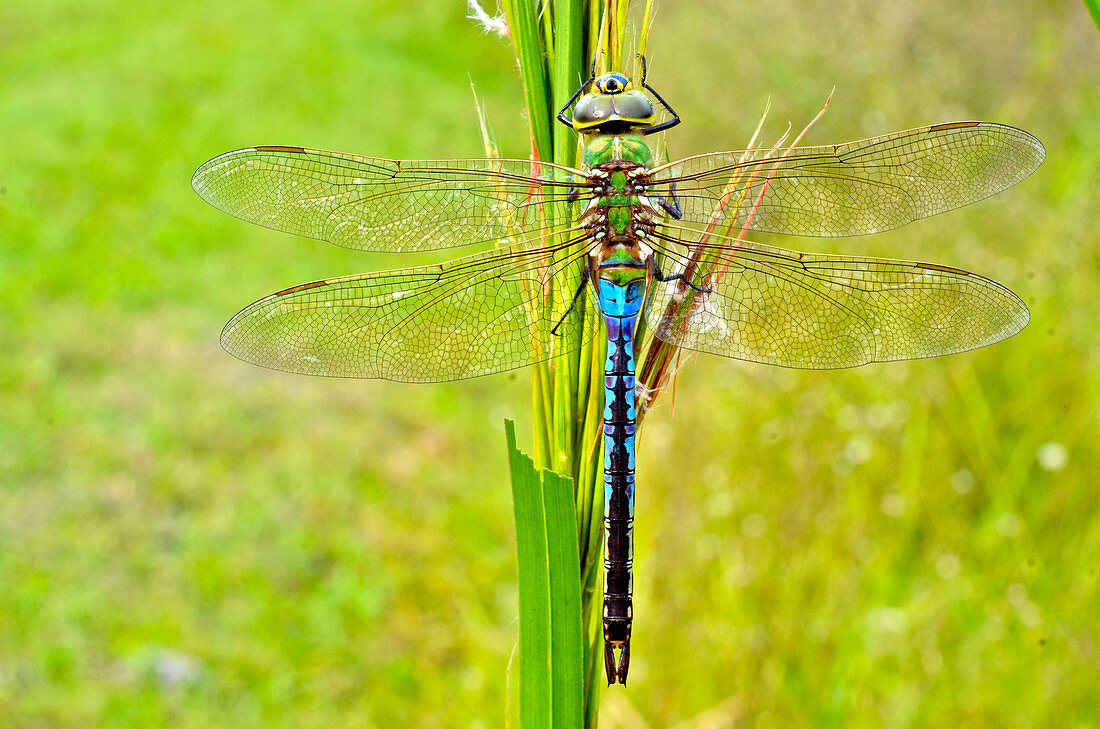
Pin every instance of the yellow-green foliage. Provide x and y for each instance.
(189, 541)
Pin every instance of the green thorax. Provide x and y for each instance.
(602, 150)
(616, 148)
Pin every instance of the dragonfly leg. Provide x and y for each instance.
(572, 100)
(680, 277)
(665, 124)
(671, 204)
(574, 192)
(573, 303)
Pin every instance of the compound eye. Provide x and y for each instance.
(612, 83)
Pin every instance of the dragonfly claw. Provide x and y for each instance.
(616, 670)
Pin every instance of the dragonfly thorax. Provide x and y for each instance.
(618, 168)
(631, 148)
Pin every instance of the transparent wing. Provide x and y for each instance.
(825, 312)
(386, 205)
(855, 188)
(468, 317)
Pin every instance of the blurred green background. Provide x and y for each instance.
(190, 541)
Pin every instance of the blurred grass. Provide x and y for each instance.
(186, 539)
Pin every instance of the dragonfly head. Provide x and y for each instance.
(613, 106)
(612, 83)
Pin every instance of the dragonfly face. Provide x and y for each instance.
(613, 107)
(489, 312)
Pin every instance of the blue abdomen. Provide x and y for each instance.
(621, 302)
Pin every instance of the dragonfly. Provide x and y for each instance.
(639, 232)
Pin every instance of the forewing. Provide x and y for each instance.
(468, 317)
(856, 188)
(826, 312)
(376, 204)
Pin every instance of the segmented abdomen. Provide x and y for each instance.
(619, 424)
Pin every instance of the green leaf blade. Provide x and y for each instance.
(566, 642)
(527, 38)
(535, 697)
(551, 643)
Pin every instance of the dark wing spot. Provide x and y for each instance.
(945, 269)
(952, 125)
(279, 148)
(299, 287)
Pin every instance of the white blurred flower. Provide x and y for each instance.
(1052, 456)
(859, 449)
(1008, 524)
(893, 505)
(753, 526)
(962, 481)
(175, 668)
(948, 566)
